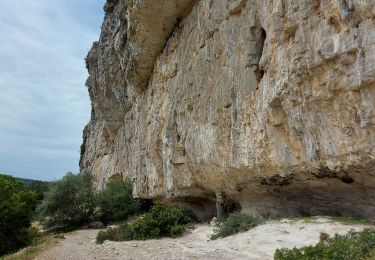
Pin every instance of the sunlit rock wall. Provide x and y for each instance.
(270, 102)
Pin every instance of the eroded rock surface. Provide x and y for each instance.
(268, 102)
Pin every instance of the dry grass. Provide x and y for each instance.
(40, 245)
(351, 220)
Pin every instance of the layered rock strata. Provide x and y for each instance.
(268, 102)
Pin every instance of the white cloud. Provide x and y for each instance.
(44, 104)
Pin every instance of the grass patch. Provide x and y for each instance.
(350, 220)
(342, 219)
(37, 246)
(236, 222)
(353, 245)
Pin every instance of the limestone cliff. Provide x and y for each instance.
(269, 103)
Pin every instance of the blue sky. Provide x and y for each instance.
(44, 103)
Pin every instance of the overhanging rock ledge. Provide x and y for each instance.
(268, 102)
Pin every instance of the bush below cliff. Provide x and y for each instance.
(160, 221)
(236, 223)
(116, 202)
(353, 245)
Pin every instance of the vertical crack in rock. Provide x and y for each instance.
(260, 36)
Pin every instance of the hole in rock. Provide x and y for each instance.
(231, 206)
(347, 180)
(259, 74)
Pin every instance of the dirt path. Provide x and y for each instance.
(258, 243)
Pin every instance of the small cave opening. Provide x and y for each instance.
(225, 206)
(202, 207)
(231, 206)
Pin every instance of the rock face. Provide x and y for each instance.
(269, 103)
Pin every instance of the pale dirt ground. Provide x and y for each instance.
(258, 243)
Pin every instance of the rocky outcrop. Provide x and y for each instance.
(268, 103)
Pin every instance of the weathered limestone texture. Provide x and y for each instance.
(270, 103)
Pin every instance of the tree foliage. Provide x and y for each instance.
(39, 187)
(16, 213)
(116, 201)
(69, 202)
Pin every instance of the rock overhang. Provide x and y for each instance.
(257, 99)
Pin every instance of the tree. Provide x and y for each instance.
(69, 202)
(39, 187)
(16, 213)
(116, 201)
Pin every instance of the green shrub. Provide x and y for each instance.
(177, 230)
(160, 221)
(16, 213)
(353, 245)
(236, 222)
(69, 202)
(121, 233)
(116, 201)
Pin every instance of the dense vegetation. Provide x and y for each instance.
(63, 205)
(16, 214)
(353, 245)
(72, 202)
(38, 187)
(160, 221)
(69, 202)
(116, 201)
(236, 222)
